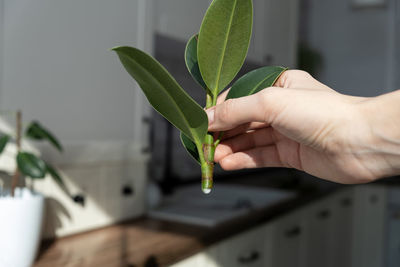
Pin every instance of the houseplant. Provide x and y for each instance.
(213, 57)
(23, 209)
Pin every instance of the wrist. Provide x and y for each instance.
(382, 115)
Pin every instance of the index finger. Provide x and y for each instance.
(238, 111)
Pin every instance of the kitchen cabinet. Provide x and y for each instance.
(393, 229)
(319, 224)
(353, 227)
(289, 240)
(206, 258)
(341, 229)
(248, 249)
(368, 226)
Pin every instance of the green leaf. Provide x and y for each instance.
(30, 165)
(58, 179)
(38, 132)
(192, 62)
(164, 93)
(3, 142)
(55, 175)
(223, 41)
(190, 147)
(255, 81)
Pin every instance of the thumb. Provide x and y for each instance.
(235, 112)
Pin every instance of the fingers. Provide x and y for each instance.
(298, 79)
(255, 158)
(235, 112)
(246, 141)
(221, 98)
(243, 129)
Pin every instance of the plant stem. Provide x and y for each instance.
(209, 100)
(207, 166)
(15, 178)
(207, 153)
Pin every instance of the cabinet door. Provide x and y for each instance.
(206, 258)
(289, 241)
(319, 239)
(246, 249)
(368, 226)
(341, 232)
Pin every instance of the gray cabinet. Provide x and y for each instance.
(319, 223)
(354, 227)
(289, 240)
(247, 249)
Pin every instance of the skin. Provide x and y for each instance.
(303, 124)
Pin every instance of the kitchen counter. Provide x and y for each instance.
(150, 242)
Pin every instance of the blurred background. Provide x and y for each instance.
(124, 163)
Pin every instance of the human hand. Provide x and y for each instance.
(303, 124)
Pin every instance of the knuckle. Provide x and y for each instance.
(226, 110)
(270, 102)
(291, 76)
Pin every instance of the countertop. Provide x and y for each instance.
(151, 242)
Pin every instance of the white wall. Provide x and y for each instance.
(58, 69)
(355, 44)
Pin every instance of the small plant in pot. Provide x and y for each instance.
(21, 208)
(213, 57)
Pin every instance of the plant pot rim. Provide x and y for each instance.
(20, 193)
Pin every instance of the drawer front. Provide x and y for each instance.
(289, 241)
(245, 250)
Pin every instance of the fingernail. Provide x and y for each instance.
(210, 115)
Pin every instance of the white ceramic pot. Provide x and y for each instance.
(21, 220)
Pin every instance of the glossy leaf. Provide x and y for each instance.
(58, 179)
(36, 131)
(55, 175)
(164, 93)
(30, 165)
(255, 81)
(192, 62)
(3, 142)
(223, 41)
(190, 147)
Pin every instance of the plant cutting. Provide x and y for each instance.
(23, 209)
(213, 57)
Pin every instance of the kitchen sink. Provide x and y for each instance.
(226, 202)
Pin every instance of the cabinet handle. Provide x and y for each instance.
(346, 202)
(251, 257)
(373, 199)
(79, 199)
(324, 214)
(293, 232)
(127, 191)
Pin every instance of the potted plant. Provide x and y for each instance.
(22, 208)
(213, 57)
